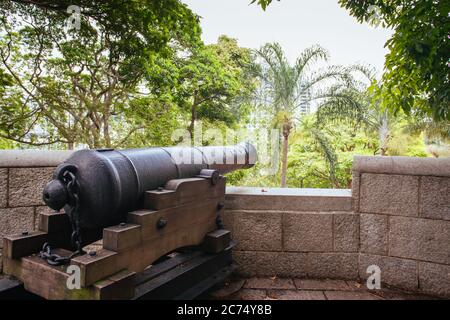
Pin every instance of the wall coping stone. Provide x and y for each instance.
(288, 199)
(32, 158)
(439, 167)
(295, 192)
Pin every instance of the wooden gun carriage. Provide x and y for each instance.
(137, 224)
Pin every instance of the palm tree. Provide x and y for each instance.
(355, 105)
(286, 87)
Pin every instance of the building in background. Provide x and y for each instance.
(305, 102)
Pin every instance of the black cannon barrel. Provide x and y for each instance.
(111, 183)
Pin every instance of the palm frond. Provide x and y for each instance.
(341, 107)
(327, 152)
(332, 73)
(309, 56)
(367, 71)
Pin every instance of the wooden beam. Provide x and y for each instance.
(117, 287)
(186, 216)
(217, 241)
(50, 282)
(44, 280)
(178, 282)
(158, 269)
(137, 259)
(122, 237)
(95, 268)
(18, 246)
(52, 222)
(176, 218)
(183, 191)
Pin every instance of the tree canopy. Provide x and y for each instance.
(63, 85)
(417, 76)
(136, 29)
(103, 85)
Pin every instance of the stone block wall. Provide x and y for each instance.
(404, 207)
(23, 174)
(397, 216)
(294, 232)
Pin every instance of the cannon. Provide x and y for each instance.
(109, 183)
(138, 223)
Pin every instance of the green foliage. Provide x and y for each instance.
(76, 92)
(322, 158)
(82, 86)
(285, 88)
(213, 83)
(309, 168)
(417, 77)
(6, 144)
(5, 79)
(433, 131)
(263, 3)
(136, 30)
(148, 121)
(80, 90)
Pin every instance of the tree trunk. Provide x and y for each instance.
(192, 124)
(284, 156)
(106, 134)
(193, 118)
(70, 145)
(383, 132)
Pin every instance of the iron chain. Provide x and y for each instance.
(72, 190)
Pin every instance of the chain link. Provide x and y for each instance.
(72, 190)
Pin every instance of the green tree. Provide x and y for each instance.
(359, 108)
(308, 168)
(319, 157)
(213, 83)
(286, 87)
(417, 76)
(77, 86)
(137, 30)
(71, 98)
(366, 110)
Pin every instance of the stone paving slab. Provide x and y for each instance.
(350, 295)
(269, 283)
(229, 288)
(354, 285)
(328, 285)
(274, 288)
(249, 294)
(388, 294)
(295, 295)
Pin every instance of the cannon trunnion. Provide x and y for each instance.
(143, 204)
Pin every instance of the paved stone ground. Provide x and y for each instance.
(304, 289)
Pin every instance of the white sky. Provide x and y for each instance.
(296, 25)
